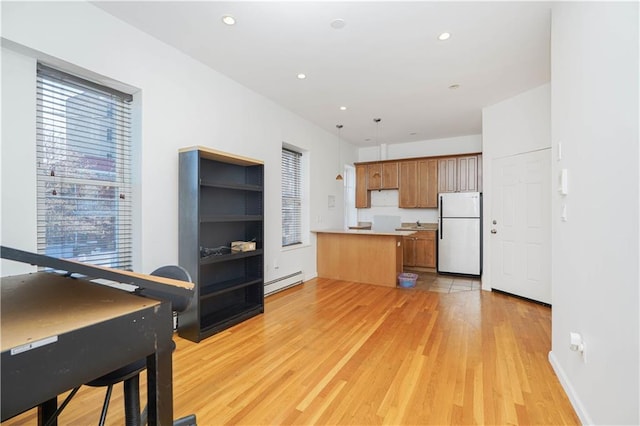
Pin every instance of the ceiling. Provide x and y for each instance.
(385, 62)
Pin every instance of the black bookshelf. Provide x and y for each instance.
(221, 200)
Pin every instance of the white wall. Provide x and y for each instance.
(514, 126)
(181, 103)
(18, 188)
(386, 202)
(595, 278)
(426, 148)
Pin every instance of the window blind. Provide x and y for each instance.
(291, 198)
(83, 170)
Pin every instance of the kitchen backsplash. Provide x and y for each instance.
(386, 203)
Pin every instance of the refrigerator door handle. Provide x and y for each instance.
(441, 227)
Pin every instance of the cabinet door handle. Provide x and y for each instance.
(441, 206)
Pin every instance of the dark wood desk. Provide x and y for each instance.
(60, 332)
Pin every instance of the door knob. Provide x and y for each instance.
(493, 231)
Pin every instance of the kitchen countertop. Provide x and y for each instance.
(397, 233)
(360, 226)
(422, 227)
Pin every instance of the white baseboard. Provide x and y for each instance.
(282, 283)
(577, 404)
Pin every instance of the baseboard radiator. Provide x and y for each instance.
(282, 283)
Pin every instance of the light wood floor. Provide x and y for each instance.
(332, 352)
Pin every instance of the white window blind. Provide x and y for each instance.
(84, 170)
(291, 198)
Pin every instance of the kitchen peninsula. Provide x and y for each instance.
(360, 255)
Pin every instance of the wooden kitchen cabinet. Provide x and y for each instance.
(418, 184)
(382, 175)
(367, 257)
(447, 174)
(390, 175)
(420, 249)
(468, 174)
(428, 183)
(460, 174)
(408, 194)
(419, 180)
(363, 196)
(409, 251)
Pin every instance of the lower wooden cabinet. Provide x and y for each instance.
(419, 249)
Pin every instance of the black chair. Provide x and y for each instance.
(130, 374)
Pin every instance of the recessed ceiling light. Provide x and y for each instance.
(454, 86)
(302, 76)
(229, 20)
(338, 24)
(444, 36)
(343, 108)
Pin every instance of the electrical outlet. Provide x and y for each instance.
(577, 345)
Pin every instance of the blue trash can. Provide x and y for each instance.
(407, 279)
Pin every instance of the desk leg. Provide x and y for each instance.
(159, 374)
(46, 410)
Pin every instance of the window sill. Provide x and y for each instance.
(295, 247)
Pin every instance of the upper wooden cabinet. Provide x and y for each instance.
(382, 175)
(460, 174)
(408, 194)
(363, 196)
(418, 184)
(468, 168)
(428, 183)
(419, 180)
(447, 174)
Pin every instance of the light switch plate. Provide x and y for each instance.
(564, 184)
(559, 151)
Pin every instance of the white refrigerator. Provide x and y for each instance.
(460, 233)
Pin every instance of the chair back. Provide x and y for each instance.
(175, 272)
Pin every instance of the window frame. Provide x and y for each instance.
(85, 148)
(291, 189)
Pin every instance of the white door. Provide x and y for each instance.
(520, 225)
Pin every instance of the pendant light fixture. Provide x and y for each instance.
(377, 121)
(339, 176)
